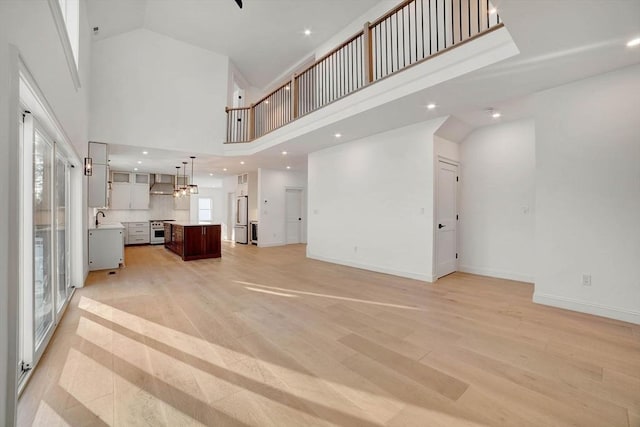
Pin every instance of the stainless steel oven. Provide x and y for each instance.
(156, 232)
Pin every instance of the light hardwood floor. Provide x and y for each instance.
(266, 337)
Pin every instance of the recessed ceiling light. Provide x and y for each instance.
(493, 11)
(633, 43)
(224, 170)
(210, 174)
(288, 167)
(338, 135)
(284, 153)
(431, 106)
(242, 162)
(145, 152)
(307, 32)
(139, 162)
(496, 115)
(135, 169)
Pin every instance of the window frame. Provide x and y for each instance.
(68, 26)
(210, 210)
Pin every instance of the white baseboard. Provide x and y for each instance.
(500, 274)
(376, 268)
(270, 245)
(587, 307)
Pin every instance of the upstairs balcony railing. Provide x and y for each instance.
(412, 32)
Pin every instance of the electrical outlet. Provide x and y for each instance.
(586, 280)
(355, 249)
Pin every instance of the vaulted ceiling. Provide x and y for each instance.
(263, 39)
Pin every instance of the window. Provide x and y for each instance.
(204, 209)
(66, 14)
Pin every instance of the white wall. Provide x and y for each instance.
(588, 195)
(229, 184)
(252, 200)
(29, 26)
(153, 91)
(497, 201)
(371, 202)
(272, 185)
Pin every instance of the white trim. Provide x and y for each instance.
(500, 274)
(378, 269)
(587, 307)
(35, 100)
(269, 245)
(58, 18)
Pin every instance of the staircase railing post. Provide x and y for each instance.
(252, 122)
(368, 53)
(294, 96)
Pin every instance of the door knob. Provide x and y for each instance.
(440, 226)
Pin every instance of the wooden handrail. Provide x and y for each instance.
(368, 56)
(227, 109)
(271, 93)
(391, 12)
(328, 54)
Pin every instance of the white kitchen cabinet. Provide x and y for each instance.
(98, 153)
(138, 233)
(120, 195)
(129, 191)
(106, 247)
(97, 197)
(98, 181)
(140, 194)
(242, 189)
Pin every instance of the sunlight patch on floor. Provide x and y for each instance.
(264, 291)
(47, 416)
(313, 294)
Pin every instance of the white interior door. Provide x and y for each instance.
(446, 219)
(293, 204)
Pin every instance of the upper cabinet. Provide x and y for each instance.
(243, 185)
(129, 191)
(98, 181)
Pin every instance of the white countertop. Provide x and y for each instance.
(111, 226)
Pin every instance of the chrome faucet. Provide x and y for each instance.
(103, 216)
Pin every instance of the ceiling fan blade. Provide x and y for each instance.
(239, 2)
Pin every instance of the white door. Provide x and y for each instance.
(446, 219)
(293, 216)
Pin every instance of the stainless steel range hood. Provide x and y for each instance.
(162, 185)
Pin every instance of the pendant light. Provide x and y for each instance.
(176, 190)
(184, 191)
(193, 188)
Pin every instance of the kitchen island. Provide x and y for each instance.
(193, 240)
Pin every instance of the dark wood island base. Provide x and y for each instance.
(193, 240)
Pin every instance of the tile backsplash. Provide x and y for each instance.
(160, 207)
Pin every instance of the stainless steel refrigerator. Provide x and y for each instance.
(242, 220)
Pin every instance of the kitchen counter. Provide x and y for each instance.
(190, 223)
(193, 240)
(111, 226)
